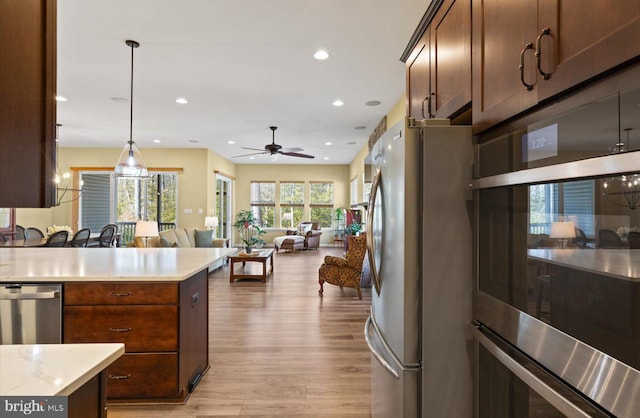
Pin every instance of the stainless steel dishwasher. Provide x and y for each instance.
(30, 314)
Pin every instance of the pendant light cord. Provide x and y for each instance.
(131, 101)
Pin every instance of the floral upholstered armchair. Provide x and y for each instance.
(345, 271)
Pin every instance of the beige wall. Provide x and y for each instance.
(356, 168)
(196, 182)
(245, 173)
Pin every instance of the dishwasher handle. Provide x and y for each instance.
(30, 296)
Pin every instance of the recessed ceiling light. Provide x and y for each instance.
(337, 103)
(325, 158)
(373, 103)
(194, 141)
(231, 142)
(120, 100)
(252, 158)
(321, 55)
(328, 143)
(360, 127)
(181, 100)
(156, 141)
(61, 98)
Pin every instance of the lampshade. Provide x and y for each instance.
(130, 163)
(287, 216)
(146, 229)
(563, 230)
(211, 221)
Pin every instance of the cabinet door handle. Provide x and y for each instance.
(123, 377)
(545, 32)
(119, 329)
(521, 66)
(121, 294)
(426, 99)
(431, 115)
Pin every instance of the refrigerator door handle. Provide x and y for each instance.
(376, 187)
(375, 352)
(530, 379)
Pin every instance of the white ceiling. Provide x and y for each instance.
(243, 65)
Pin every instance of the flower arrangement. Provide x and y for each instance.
(55, 228)
(249, 230)
(623, 231)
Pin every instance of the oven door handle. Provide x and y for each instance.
(531, 380)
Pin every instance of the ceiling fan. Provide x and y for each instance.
(274, 149)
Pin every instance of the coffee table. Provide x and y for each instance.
(246, 272)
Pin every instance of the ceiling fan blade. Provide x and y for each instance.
(296, 154)
(253, 153)
(295, 149)
(253, 149)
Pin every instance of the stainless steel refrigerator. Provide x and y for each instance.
(420, 251)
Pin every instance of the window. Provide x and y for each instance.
(106, 199)
(354, 191)
(571, 201)
(291, 204)
(321, 202)
(263, 202)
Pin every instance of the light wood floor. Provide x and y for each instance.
(279, 349)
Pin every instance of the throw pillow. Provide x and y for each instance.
(204, 238)
(165, 243)
(303, 229)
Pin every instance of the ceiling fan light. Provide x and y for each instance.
(273, 158)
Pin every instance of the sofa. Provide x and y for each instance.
(184, 238)
(309, 231)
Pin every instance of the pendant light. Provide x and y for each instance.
(130, 163)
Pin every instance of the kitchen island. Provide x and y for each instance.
(154, 300)
(75, 371)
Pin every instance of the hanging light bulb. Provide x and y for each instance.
(130, 163)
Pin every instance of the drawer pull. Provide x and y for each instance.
(119, 329)
(125, 377)
(122, 294)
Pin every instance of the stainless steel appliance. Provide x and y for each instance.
(30, 314)
(419, 244)
(557, 315)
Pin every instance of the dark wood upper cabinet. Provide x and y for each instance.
(528, 52)
(451, 58)
(439, 65)
(27, 102)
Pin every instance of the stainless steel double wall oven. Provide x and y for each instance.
(557, 298)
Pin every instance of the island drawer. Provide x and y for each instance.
(120, 293)
(140, 327)
(143, 376)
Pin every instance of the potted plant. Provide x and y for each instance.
(353, 228)
(249, 230)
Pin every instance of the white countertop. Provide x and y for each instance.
(619, 263)
(105, 264)
(52, 369)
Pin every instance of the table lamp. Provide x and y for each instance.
(563, 231)
(211, 222)
(288, 216)
(146, 230)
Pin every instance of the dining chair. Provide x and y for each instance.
(19, 232)
(32, 233)
(634, 239)
(81, 238)
(57, 239)
(581, 238)
(3, 238)
(609, 239)
(106, 236)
